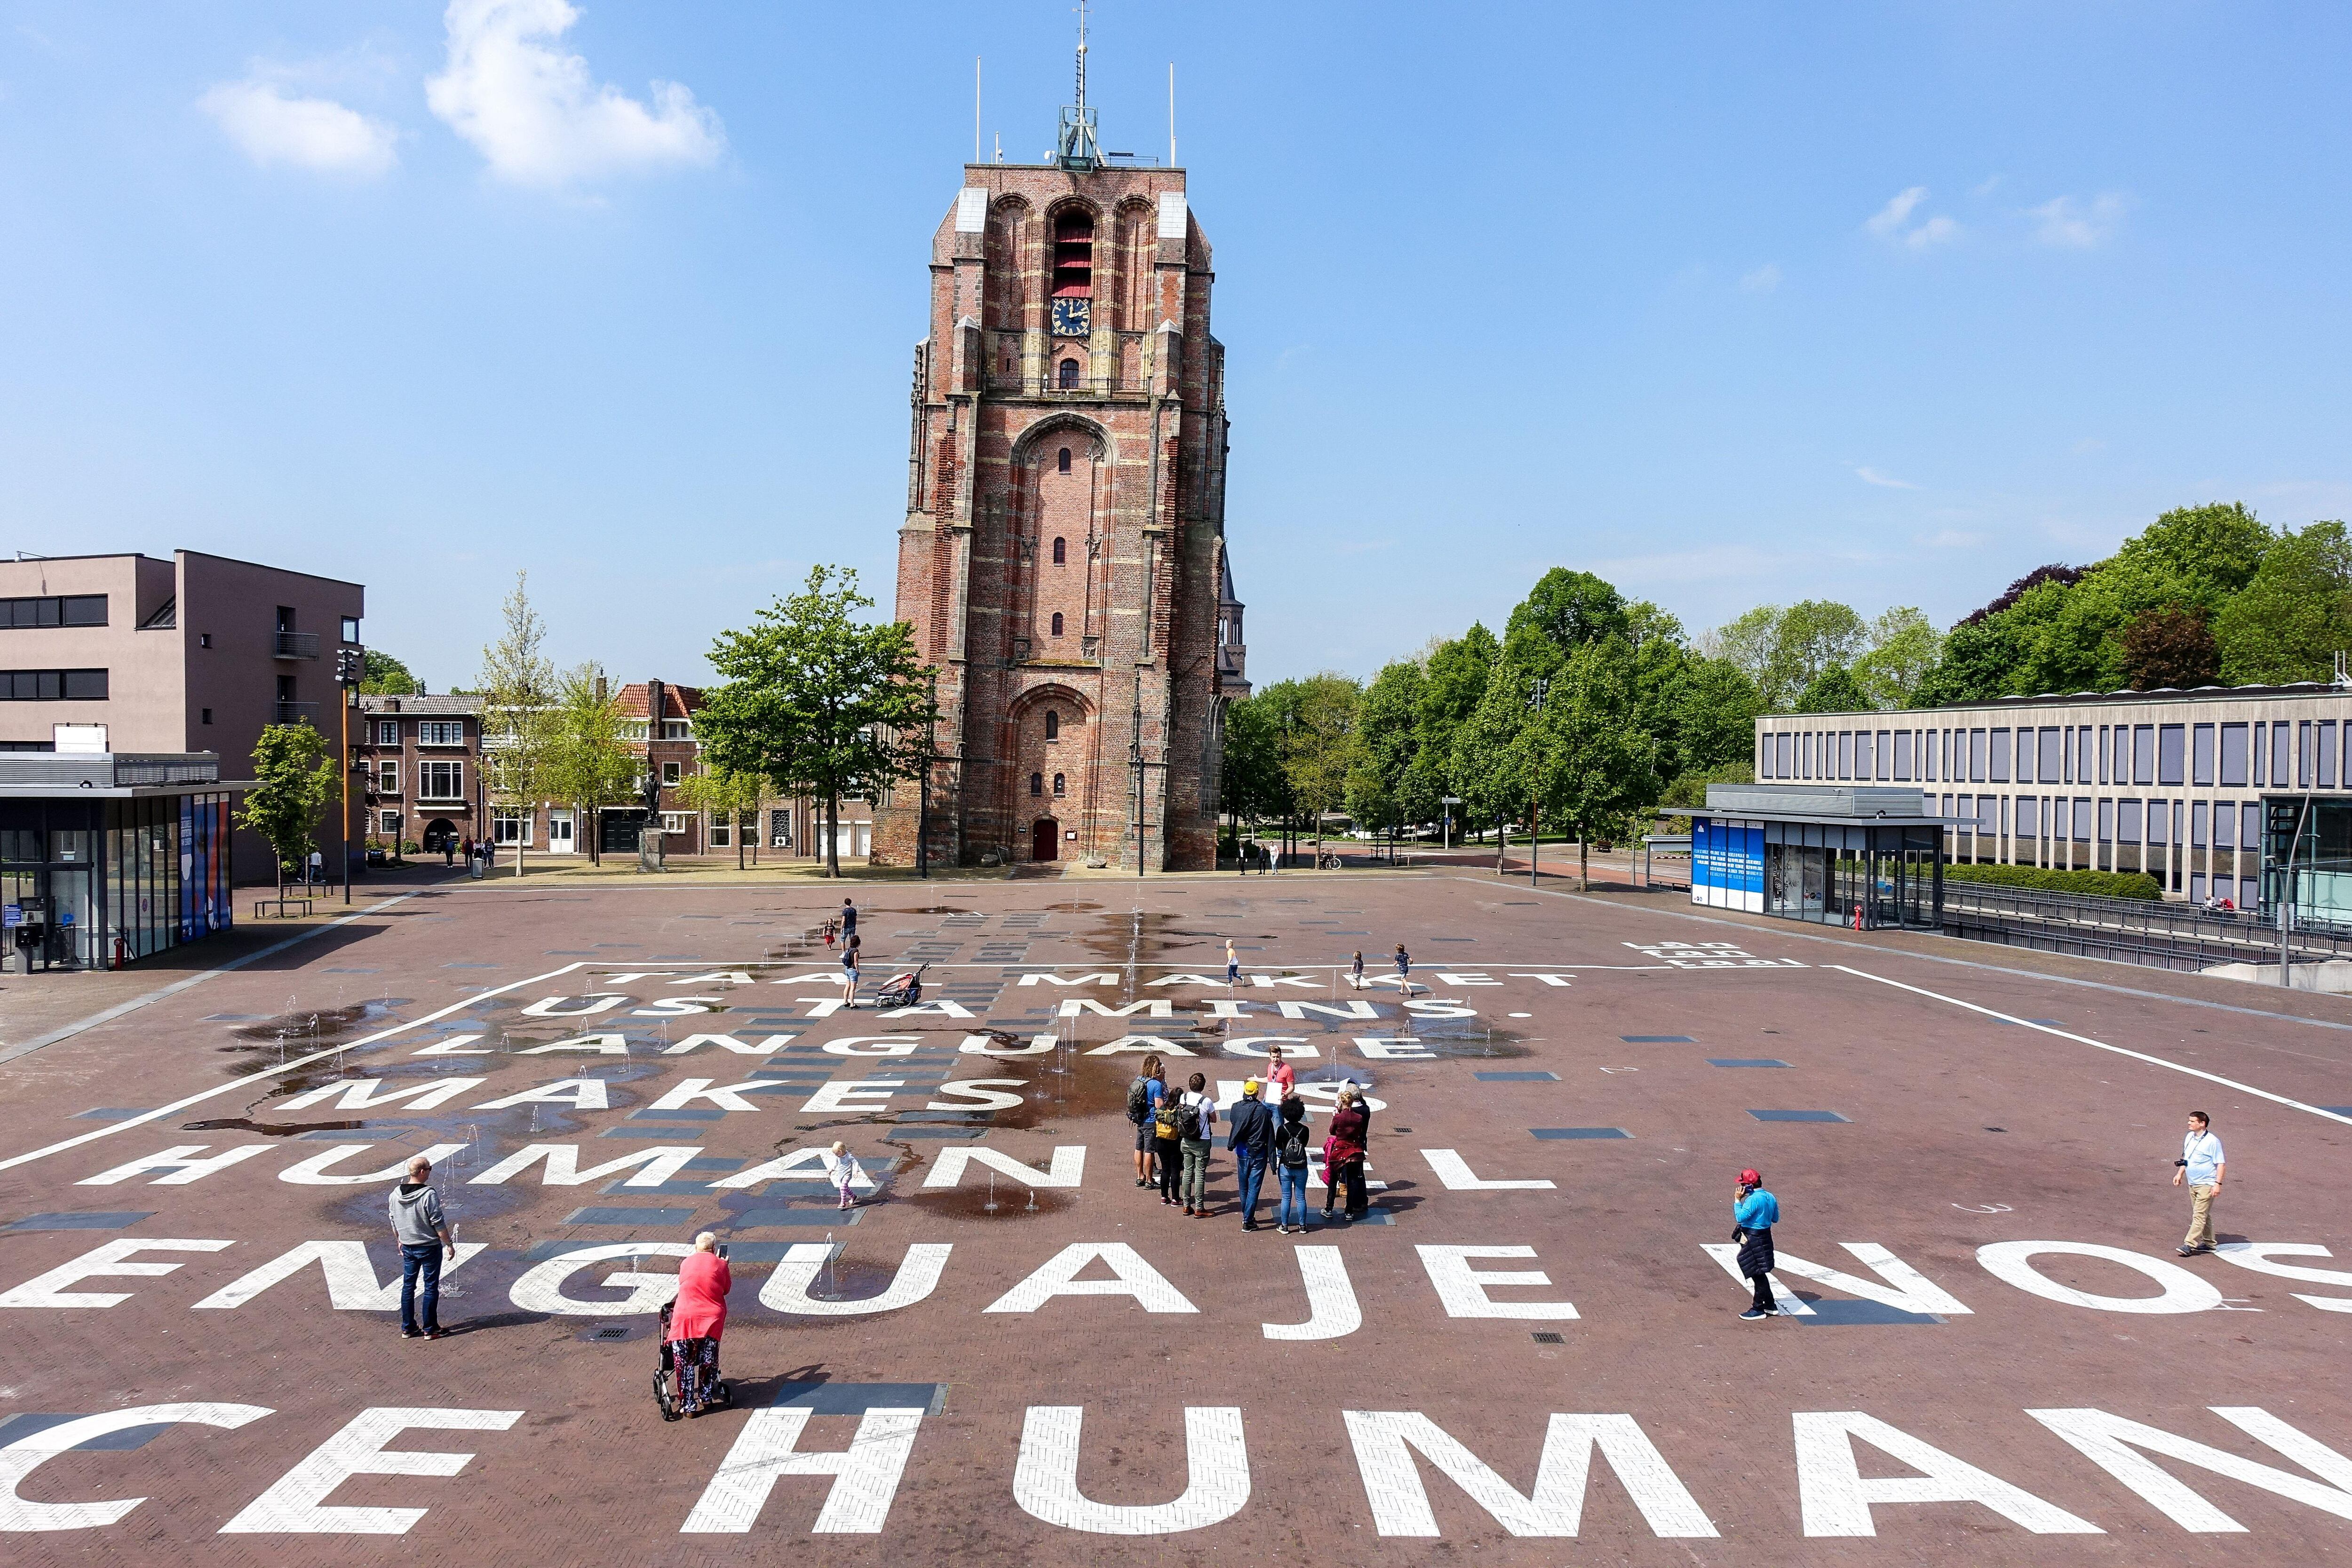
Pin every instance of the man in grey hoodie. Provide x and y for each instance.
(423, 1234)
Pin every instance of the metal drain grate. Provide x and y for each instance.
(1546, 1336)
(611, 1330)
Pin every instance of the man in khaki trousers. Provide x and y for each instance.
(2199, 1167)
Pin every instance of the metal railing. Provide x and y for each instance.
(2139, 931)
(294, 645)
(295, 713)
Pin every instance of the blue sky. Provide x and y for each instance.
(1730, 303)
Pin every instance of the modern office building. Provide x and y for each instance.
(132, 654)
(2220, 792)
(107, 857)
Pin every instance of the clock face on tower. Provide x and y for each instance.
(1071, 318)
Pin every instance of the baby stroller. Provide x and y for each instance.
(666, 1387)
(902, 990)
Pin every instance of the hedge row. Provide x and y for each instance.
(2096, 883)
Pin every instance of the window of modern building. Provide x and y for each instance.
(52, 685)
(1053, 724)
(2082, 774)
(68, 609)
(2282, 756)
(1975, 756)
(2250, 825)
(2326, 754)
(2160, 818)
(2303, 762)
(2053, 744)
(1061, 552)
(1990, 808)
(1781, 751)
(1903, 748)
(2107, 820)
(2081, 820)
(1057, 623)
(2262, 753)
(2197, 821)
(440, 781)
(2233, 756)
(2028, 817)
(2000, 756)
(2201, 754)
(436, 732)
(2169, 740)
(2143, 753)
(1064, 463)
(2128, 820)
(1057, 784)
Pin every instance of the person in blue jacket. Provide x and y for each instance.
(1754, 1212)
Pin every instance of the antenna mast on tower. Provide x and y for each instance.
(1075, 146)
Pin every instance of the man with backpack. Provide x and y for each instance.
(1291, 1163)
(1252, 1144)
(1142, 1102)
(1196, 1125)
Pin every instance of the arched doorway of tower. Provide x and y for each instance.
(1045, 839)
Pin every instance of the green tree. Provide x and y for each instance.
(1716, 721)
(1454, 680)
(1834, 690)
(592, 765)
(1783, 650)
(293, 777)
(1321, 745)
(1904, 646)
(381, 674)
(2212, 551)
(521, 726)
(813, 697)
(1562, 612)
(2295, 615)
(1252, 786)
(1389, 787)
(723, 793)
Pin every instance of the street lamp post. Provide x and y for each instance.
(1445, 832)
(350, 664)
(1535, 805)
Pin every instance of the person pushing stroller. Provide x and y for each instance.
(689, 1382)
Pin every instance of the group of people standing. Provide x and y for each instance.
(1176, 1133)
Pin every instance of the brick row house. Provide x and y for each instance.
(417, 768)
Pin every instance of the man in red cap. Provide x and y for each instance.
(1754, 1212)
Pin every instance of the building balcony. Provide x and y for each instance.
(295, 713)
(294, 645)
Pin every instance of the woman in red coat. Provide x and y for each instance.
(1343, 1153)
(696, 1320)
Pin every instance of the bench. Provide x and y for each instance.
(261, 904)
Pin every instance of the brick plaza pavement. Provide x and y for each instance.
(1008, 1350)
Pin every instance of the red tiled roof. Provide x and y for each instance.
(678, 702)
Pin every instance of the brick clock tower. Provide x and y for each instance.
(1063, 562)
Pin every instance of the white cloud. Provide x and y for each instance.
(1892, 223)
(539, 116)
(2071, 225)
(1763, 280)
(271, 127)
(1886, 481)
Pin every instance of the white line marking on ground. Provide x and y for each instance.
(268, 1072)
(2097, 1044)
(26, 1048)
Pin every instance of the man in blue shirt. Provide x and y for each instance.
(1754, 1212)
(2199, 1167)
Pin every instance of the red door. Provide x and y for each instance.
(1045, 839)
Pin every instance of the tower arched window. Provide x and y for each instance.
(1052, 719)
(1036, 783)
(1066, 377)
(1057, 623)
(1061, 552)
(1065, 460)
(1057, 784)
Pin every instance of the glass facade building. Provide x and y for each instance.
(98, 875)
(1831, 855)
